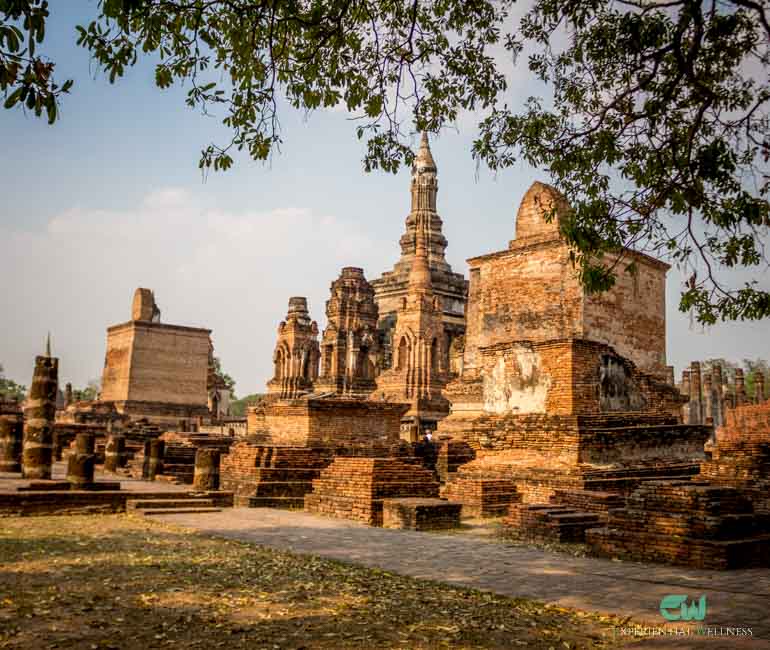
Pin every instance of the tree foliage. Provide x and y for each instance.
(228, 381)
(378, 58)
(89, 393)
(9, 389)
(26, 77)
(238, 407)
(658, 135)
(657, 130)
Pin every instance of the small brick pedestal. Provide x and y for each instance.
(354, 488)
(115, 453)
(206, 469)
(10, 443)
(80, 463)
(420, 514)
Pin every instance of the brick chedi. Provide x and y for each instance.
(420, 370)
(350, 346)
(558, 385)
(296, 353)
(154, 370)
(450, 289)
(39, 415)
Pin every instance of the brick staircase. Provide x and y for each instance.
(686, 523)
(271, 477)
(566, 518)
(151, 507)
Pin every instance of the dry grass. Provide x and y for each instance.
(121, 582)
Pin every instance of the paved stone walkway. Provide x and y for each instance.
(734, 598)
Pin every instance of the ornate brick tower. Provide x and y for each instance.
(350, 345)
(296, 353)
(420, 366)
(451, 289)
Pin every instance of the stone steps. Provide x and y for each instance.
(283, 503)
(153, 507)
(552, 523)
(147, 504)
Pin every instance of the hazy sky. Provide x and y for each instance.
(111, 198)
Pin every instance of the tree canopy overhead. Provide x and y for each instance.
(656, 126)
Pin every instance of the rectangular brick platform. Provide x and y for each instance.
(685, 523)
(420, 514)
(354, 488)
(481, 497)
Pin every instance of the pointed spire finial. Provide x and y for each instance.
(424, 157)
(48, 345)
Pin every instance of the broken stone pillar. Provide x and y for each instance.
(206, 469)
(719, 396)
(759, 387)
(10, 443)
(67, 395)
(155, 463)
(685, 390)
(81, 463)
(696, 404)
(39, 414)
(114, 453)
(146, 460)
(740, 388)
(708, 400)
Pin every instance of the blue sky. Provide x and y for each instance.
(110, 198)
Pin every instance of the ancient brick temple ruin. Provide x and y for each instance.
(560, 389)
(449, 288)
(374, 379)
(550, 404)
(153, 369)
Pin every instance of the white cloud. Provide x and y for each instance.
(232, 273)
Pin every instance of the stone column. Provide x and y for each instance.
(740, 388)
(114, 452)
(708, 400)
(759, 387)
(206, 469)
(39, 414)
(685, 390)
(155, 464)
(146, 460)
(719, 396)
(81, 462)
(696, 409)
(11, 429)
(67, 395)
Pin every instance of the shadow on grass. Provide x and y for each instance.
(119, 582)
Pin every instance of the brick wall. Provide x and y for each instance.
(154, 362)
